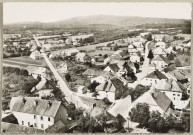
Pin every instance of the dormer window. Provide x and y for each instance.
(41, 117)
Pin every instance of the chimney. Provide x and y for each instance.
(35, 103)
(49, 104)
(24, 100)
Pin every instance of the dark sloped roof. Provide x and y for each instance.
(162, 100)
(162, 58)
(168, 69)
(10, 118)
(114, 67)
(124, 54)
(41, 107)
(156, 75)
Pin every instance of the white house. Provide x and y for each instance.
(37, 113)
(139, 46)
(80, 57)
(171, 88)
(153, 78)
(35, 55)
(70, 52)
(132, 49)
(99, 79)
(161, 44)
(112, 90)
(134, 58)
(156, 101)
(159, 51)
(63, 68)
(160, 62)
(113, 68)
(36, 71)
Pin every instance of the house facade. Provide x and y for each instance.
(37, 113)
(160, 62)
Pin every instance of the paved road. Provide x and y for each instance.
(62, 84)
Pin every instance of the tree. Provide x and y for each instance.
(120, 121)
(67, 77)
(150, 55)
(140, 114)
(93, 86)
(116, 47)
(141, 59)
(149, 37)
(105, 56)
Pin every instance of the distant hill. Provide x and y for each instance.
(118, 20)
(108, 20)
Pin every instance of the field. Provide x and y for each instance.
(23, 61)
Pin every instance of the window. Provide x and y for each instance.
(34, 116)
(174, 98)
(42, 126)
(48, 118)
(163, 92)
(174, 94)
(178, 95)
(41, 118)
(188, 91)
(28, 123)
(35, 124)
(22, 122)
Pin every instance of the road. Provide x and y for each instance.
(70, 96)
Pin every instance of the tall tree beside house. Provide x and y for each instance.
(150, 55)
(140, 114)
(67, 77)
(149, 37)
(93, 86)
(116, 47)
(157, 123)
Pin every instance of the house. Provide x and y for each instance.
(113, 89)
(156, 100)
(99, 79)
(139, 46)
(35, 55)
(91, 73)
(81, 89)
(145, 34)
(62, 68)
(125, 55)
(135, 58)
(70, 52)
(158, 37)
(160, 62)
(171, 88)
(113, 68)
(36, 71)
(178, 76)
(45, 93)
(159, 51)
(132, 49)
(46, 47)
(37, 113)
(161, 44)
(153, 77)
(80, 57)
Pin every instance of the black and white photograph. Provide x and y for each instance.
(96, 67)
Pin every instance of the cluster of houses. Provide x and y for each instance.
(168, 84)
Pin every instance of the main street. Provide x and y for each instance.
(70, 97)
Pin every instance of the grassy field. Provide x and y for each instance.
(24, 61)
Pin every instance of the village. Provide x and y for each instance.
(80, 86)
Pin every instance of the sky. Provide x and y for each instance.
(51, 12)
